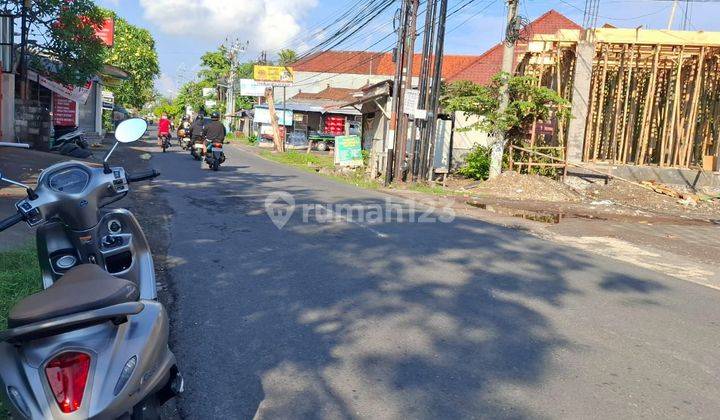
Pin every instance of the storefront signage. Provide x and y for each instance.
(348, 151)
(108, 100)
(75, 93)
(262, 116)
(106, 32)
(274, 75)
(249, 87)
(64, 111)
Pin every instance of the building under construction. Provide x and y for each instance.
(639, 97)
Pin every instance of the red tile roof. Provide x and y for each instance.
(371, 63)
(478, 69)
(329, 93)
(490, 63)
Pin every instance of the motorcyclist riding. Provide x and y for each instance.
(197, 129)
(214, 130)
(164, 127)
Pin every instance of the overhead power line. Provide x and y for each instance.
(308, 81)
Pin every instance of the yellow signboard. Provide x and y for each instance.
(274, 75)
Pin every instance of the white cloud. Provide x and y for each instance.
(166, 85)
(267, 24)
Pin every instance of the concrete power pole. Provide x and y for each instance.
(507, 69)
(396, 101)
(404, 122)
(234, 50)
(672, 14)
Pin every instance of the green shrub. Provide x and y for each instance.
(477, 163)
(252, 139)
(365, 156)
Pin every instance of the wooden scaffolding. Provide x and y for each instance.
(654, 95)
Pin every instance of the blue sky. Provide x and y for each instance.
(184, 29)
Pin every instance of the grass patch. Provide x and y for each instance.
(295, 158)
(433, 189)
(310, 162)
(241, 138)
(19, 277)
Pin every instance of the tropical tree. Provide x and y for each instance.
(528, 102)
(134, 51)
(286, 57)
(215, 67)
(64, 31)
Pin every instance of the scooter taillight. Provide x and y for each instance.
(67, 375)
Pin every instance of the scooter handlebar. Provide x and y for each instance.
(11, 221)
(143, 176)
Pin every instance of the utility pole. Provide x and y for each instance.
(419, 147)
(399, 56)
(672, 14)
(507, 70)
(435, 92)
(27, 4)
(403, 123)
(233, 52)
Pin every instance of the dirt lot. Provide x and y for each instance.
(614, 198)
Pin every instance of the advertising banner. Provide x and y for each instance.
(106, 32)
(64, 111)
(75, 93)
(348, 151)
(262, 116)
(249, 87)
(274, 75)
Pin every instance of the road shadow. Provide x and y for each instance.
(353, 320)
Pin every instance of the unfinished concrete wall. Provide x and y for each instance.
(584, 53)
(7, 107)
(32, 123)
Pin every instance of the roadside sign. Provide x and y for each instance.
(347, 151)
(274, 75)
(106, 32)
(262, 116)
(208, 92)
(108, 100)
(249, 87)
(210, 103)
(411, 99)
(64, 111)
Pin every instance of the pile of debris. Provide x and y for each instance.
(514, 186)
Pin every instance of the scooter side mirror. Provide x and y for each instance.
(30, 192)
(130, 130)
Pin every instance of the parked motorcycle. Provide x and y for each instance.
(71, 143)
(94, 342)
(215, 156)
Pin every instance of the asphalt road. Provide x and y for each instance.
(397, 320)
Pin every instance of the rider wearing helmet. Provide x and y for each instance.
(164, 127)
(214, 131)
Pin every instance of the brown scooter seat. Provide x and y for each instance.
(83, 288)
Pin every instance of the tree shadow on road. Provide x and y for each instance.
(345, 320)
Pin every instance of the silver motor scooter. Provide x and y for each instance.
(94, 342)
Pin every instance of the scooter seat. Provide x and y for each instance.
(83, 288)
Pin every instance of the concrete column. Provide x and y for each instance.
(585, 53)
(7, 107)
(98, 109)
